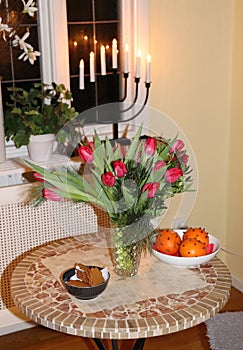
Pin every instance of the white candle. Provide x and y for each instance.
(126, 62)
(148, 69)
(138, 64)
(2, 136)
(81, 75)
(114, 53)
(102, 60)
(91, 66)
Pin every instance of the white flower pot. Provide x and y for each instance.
(40, 147)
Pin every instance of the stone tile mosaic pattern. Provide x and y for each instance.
(161, 299)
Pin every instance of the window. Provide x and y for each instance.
(15, 72)
(92, 24)
(124, 18)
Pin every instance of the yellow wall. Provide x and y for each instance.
(235, 187)
(191, 44)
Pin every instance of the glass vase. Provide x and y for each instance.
(126, 259)
(126, 246)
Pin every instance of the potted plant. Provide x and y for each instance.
(39, 113)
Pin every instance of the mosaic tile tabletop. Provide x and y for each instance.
(160, 299)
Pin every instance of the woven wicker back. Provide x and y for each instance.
(24, 227)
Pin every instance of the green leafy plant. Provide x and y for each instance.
(44, 109)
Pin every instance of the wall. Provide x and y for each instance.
(191, 46)
(235, 189)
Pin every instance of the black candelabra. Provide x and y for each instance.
(117, 111)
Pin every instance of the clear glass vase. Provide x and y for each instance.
(126, 259)
(127, 244)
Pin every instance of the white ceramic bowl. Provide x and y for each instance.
(180, 261)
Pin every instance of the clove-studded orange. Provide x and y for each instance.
(191, 247)
(168, 242)
(197, 232)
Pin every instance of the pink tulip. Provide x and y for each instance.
(122, 150)
(108, 179)
(86, 154)
(49, 194)
(158, 165)
(152, 188)
(119, 168)
(177, 146)
(39, 177)
(173, 174)
(138, 160)
(183, 158)
(150, 146)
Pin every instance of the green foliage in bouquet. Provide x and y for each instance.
(129, 183)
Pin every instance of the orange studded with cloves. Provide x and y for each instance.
(191, 247)
(168, 241)
(197, 232)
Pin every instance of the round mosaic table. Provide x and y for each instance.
(160, 299)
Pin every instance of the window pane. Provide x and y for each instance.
(5, 66)
(106, 10)
(80, 45)
(12, 69)
(107, 89)
(105, 33)
(79, 10)
(23, 69)
(83, 99)
(103, 27)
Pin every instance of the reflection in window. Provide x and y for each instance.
(92, 23)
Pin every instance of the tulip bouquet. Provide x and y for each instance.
(131, 183)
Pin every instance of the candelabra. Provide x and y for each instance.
(117, 111)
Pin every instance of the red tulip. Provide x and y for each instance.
(91, 145)
(150, 146)
(158, 165)
(86, 154)
(152, 188)
(173, 174)
(177, 146)
(119, 168)
(108, 179)
(49, 194)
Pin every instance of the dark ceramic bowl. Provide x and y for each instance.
(84, 293)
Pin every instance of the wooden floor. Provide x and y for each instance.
(40, 338)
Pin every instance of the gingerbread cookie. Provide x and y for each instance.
(91, 276)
